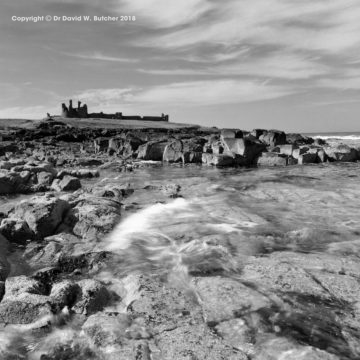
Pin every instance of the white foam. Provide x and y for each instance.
(144, 221)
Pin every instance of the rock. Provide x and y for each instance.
(93, 297)
(24, 301)
(106, 329)
(281, 273)
(282, 348)
(343, 153)
(195, 342)
(101, 145)
(273, 138)
(224, 299)
(231, 133)
(272, 159)
(43, 214)
(152, 150)
(298, 139)
(286, 149)
(247, 148)
(68, 183)
(308, 158)
(94, 216)
(4, 264)
(16, 230)
(237, 334)
(45, 178)
(115, 192)
(257, 133)
(79, 173)
(217, 160)
(163, 306)
(300, 151)
(11, 183)
(173, 152)
(64, 294)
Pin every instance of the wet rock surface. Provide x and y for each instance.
(139, 245)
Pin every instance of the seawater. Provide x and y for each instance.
(219, 219)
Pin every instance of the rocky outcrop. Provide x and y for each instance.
(152, 151)
(43, 214)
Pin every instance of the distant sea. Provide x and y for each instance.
(348, 138)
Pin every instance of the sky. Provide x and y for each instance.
(292, 65)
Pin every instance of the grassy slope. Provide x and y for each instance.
(97, 123)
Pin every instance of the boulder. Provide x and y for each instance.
(272, 159)
(152, 150)
(16, 230)
(11, 183)
(173, 152)
(24, 301)
(67, 183)
(308, 158)
(300, 151)
(257, 133)
(43, 214)
(273, 138)
(217, 160)
(93, 216)
(231, 133)
(286, 149)
(343, 153)
(247, 148)
(298, 139)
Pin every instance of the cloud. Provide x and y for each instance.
(274, 65)
(164, 13)
(193, 93)
(340, 83)
(98, 56)
(26, 112)
(330, 27)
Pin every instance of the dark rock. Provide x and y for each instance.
(273, 138)
(343, 153)
(4, 264)
(152, 151)
(308, 158)
(217, 160)
(67, 183)
(16, 230)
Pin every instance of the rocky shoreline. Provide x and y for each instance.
(52, 264)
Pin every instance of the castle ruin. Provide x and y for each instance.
(82, 113)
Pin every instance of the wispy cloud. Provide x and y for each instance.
(274, 65)
(98, 56)
(194, 93)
